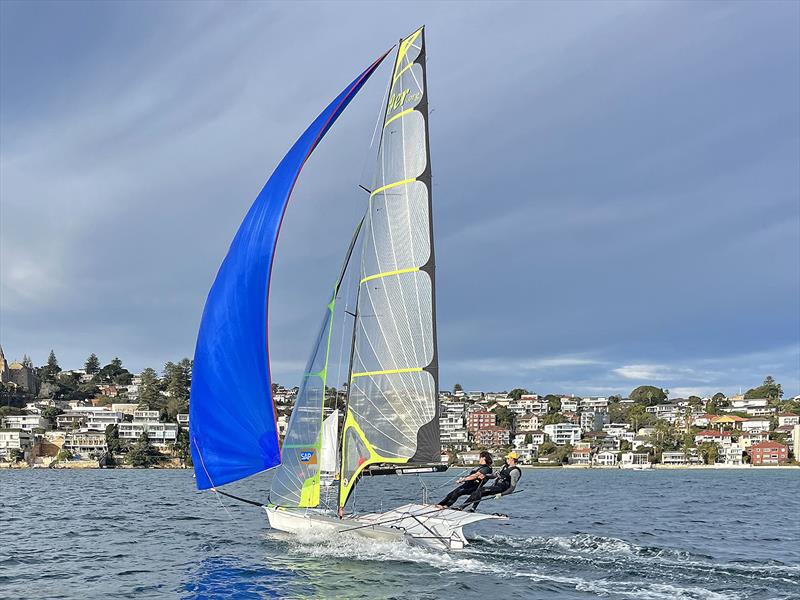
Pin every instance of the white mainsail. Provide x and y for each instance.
(392, 405)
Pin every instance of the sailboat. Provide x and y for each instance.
(389, 422)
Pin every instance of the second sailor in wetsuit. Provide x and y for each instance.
(471, 482)
(504, 483)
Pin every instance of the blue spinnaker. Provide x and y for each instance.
(232, 418)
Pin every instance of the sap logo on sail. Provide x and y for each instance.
(308, 456)
(401, 98)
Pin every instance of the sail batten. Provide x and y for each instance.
(392, 411)
(233, 429)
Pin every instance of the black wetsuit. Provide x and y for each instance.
(505, 482)
(468, 487)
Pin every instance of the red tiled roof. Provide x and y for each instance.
(712, 433)
(767, 445)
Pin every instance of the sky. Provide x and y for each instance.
(616, 185)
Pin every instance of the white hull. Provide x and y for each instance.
(417, 524)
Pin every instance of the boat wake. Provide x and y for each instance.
(590, 566)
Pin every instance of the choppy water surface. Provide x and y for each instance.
(573, 535)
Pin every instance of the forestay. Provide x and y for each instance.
(392, 406)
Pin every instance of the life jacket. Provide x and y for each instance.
(504, 477)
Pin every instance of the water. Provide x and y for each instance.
(575, 535)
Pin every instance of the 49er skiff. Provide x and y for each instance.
(389, 422)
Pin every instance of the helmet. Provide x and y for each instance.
(513, 455)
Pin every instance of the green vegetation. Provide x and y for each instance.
(112, 439)
(457, 388)
(648, 395)
(183, 452)
(517, 393)
(708, 452)
(64, 455)
(143, 453)
(150, 390)
(51, 369)
(114, 373)
(92, 364)
(768, 389)
(505, 418)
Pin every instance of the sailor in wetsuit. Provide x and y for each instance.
(504, 483)
(471, 482)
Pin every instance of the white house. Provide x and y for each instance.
(616, 429)
(681, 458)
(632, 459)
(563, 433)
(569, 404)
(606, 459)
(756, 424)
(26, 422)
(85, 442)
(788, 418)
(98, 421)
(147, 421)
(13, 439)
(594, 404)
(593, 420)
(730, 455)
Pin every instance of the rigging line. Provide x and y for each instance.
(213, 487)
(245, 500)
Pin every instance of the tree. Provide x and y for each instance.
(616, 412)
(517, 393)
(709, 452)
(142, 453)
(64, 455)
(178, 382)
(182, 449)
(51, 413)
(664, 438)
(554, 418)
(17, 455)
(149, 390)
(638, 417)
(92, 364)
(528, 438)
(711, 407)
(768, 389)
(505, 418)
(114, 372)
(648, 395)
(547, 448)
(27, 362)
(51, 369)
(457, 388)
(112, 439)
(553, 403)
(695, 401)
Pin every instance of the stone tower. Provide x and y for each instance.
(5, 376)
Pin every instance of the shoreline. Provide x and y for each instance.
(80, 465)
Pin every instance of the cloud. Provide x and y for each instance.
(615, 185)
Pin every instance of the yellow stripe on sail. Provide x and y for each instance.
(387, 372)
(397, 116)
(390, 186)
(388, 273)
(401, 71)
(404, 46)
